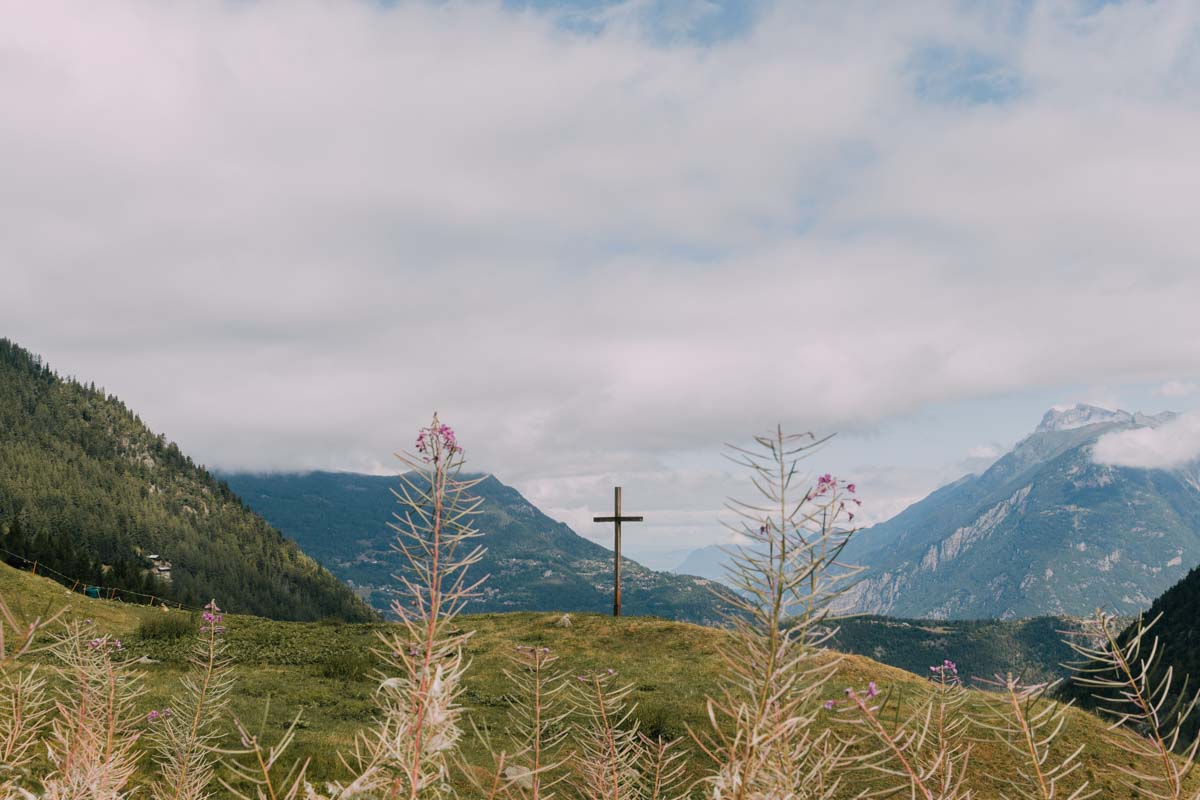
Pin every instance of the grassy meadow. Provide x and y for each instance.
(326, 673)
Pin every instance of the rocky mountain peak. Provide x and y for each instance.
(1081, 415)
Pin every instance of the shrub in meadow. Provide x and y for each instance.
(347, 665)
(168, 627)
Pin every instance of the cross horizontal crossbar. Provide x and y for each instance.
(617, 519)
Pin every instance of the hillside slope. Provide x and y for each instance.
(535, 563)
(325, 672)
(1045, 530)
(88, 491)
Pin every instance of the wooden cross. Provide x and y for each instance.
(616, 519)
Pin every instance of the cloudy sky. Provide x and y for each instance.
(603, 238)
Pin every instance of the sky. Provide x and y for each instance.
(602, 239)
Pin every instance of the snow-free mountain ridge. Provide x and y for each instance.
(1044, 530)
(533, 563)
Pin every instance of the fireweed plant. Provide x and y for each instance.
(613, 760)
(409, 752)
(1123, 672)
(185, 733)
(537, 725)
(25, 705)
(924, 754)
(1024, 719)
(763, 742)
(84, 732)
(779, 728)
(91, 739)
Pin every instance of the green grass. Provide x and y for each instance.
(324, 671)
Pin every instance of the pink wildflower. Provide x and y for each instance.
(442, 435)
(946, 672)
(212, 617)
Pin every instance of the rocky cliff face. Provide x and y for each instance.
(1046, 530)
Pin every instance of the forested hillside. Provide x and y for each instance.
(86, 490)
(1174, 616)
(982, 648)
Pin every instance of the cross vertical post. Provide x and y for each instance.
(616, 519)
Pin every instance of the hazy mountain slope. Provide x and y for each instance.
(535, 563)
(711, 562)
(87, 490)
(1045, 530)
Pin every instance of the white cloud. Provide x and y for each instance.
(1174, 388)
(1173, 444)
(287, 232)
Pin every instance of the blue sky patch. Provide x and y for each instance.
(667, 21)
(955, 76)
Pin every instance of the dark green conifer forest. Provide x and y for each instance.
(88, 492)
(1174, 621)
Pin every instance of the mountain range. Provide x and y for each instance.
(90, 494)
(534, 563)
(1045, 530)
